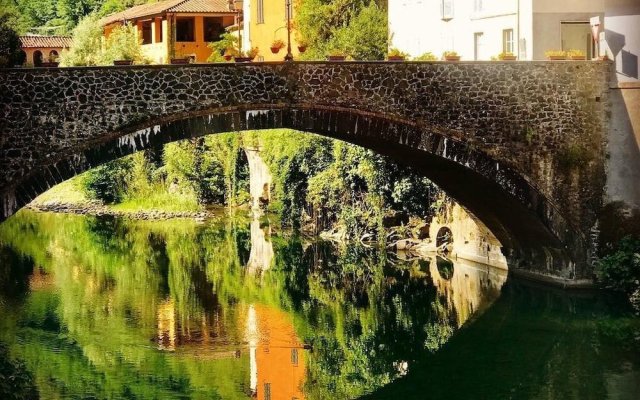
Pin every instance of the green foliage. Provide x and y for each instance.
(620, 269)
(10, 52)
(16, 382)
(123, 44)
(87, 44)
(574, 155)
(228, 44)
(428, 56)
(356, 28)
(108, 182)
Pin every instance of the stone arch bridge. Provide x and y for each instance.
(521, 145)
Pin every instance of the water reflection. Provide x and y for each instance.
(117, 309)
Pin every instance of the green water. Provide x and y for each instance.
(104, 308)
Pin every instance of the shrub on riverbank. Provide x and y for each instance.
(620, 269)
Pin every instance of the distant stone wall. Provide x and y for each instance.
(528, 137)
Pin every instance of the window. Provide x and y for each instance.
(212, 29)
(507, 41)
(477, 6)
(147, 38)
(446, 10)
(267, 391)
(185, 30)
(294, 356)
(477, 45)
(260, 11)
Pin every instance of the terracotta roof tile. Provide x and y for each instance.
(184, 6)
(197, 6)
(31, 41)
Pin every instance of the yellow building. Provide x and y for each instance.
(176, 29)
(264, 22)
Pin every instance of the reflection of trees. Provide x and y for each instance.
(533, 344)
(119, 285)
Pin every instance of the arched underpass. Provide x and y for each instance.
(462, 126)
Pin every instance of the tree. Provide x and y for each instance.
(86, 47)
(123, 43)
(358, 28)
(10, 50)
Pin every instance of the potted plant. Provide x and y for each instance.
(247, 56)
(336, 55)
(276, 46)
(396, 55)
(451, 55)
(506, 56)
(576, 55)
(428, 56)
(302, 46)
(555, 55)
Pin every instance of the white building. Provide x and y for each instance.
(480, 29)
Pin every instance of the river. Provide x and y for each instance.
(235, 308)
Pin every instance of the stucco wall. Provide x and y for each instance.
(622, 31)
(261, 35)
(547, 28)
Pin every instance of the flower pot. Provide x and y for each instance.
(275, 50)
(556, 58)
(180, 61)
(452, 58)
(302, 49)
(242, 59)
(395, 58)
(508, 58)
(123, 62)
(336, 58)
(49, 65)
(227, 57)
(578, 58)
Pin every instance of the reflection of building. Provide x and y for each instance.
(261, 255)
(276, 355)
(176, 28)
(266, 21)
(43, 49)
(166, 326)
(480, 29)
(469, 287)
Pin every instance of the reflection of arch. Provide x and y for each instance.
(444, 236)
(37, 58)
(515, 211)
(53, 56)
(445, 267)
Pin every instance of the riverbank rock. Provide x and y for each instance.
(98, 209)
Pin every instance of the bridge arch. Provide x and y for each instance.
(533, 233)
(520, 145)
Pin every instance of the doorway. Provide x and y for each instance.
(577, 36)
